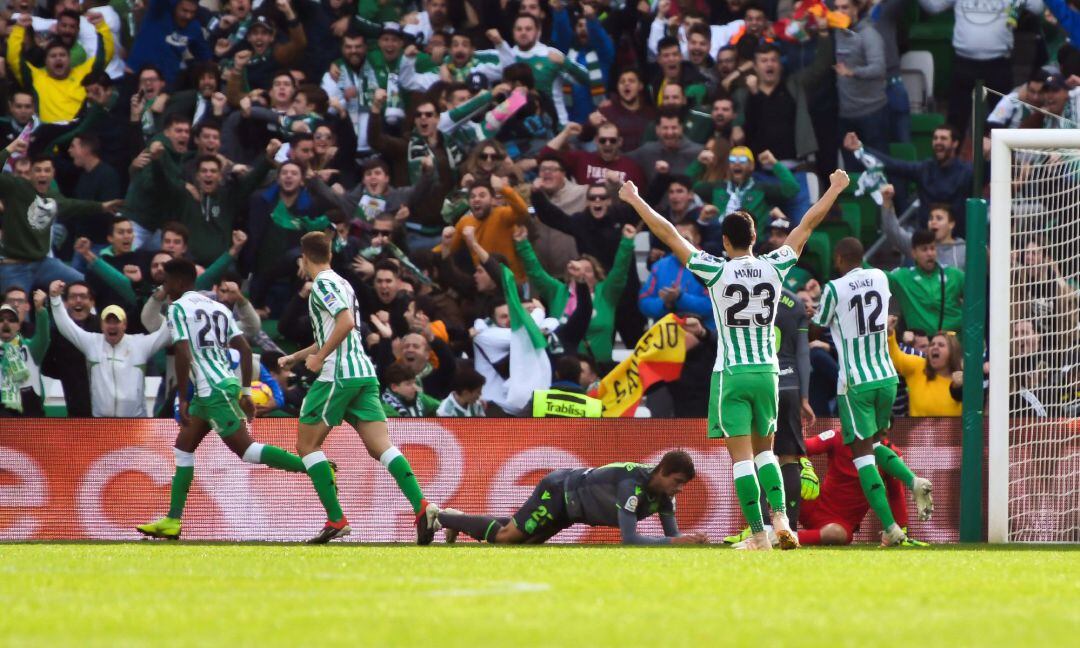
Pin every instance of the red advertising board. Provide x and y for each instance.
(76, 479)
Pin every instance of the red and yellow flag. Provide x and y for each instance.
(657, 357)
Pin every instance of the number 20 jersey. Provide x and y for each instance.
(855, 307)
(207, 326)
(744, 293)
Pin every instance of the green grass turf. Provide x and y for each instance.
(178, 594)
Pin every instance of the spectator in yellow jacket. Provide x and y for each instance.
(57, 86)
(933, 380)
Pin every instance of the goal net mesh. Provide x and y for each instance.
(1044, 348)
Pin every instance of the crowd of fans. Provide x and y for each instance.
(440, 139)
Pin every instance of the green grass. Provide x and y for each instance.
(179, 594)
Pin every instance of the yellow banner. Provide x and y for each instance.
(658, 356)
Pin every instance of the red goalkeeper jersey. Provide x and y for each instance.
(842, 498)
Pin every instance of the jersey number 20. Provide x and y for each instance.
(215, 328)
(763, 291)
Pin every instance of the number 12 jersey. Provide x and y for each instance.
(855, 307)
(744, 292)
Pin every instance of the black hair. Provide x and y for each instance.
(398, 373)
(953, 131)
(153, 68)
(181, 269)
(466, 378)
(666, 42)
(175, 118)
(519, 73)
(738, 227)
(850, 251)
(676, 461)
(922, 237)
(90, 141)
(767, 47)
(568, 368)
(387, 264)
(945, 207)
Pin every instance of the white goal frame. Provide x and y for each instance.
(1003, 141)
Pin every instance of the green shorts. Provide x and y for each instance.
(866, 412)
(221, 409)
(353, 401)
(742, 402)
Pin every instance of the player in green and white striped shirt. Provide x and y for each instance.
(855, 307)
(744, 391)
(346, 389)
(203, 331)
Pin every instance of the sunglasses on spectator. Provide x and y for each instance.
(738, 159)
(490, 157)
(597, 197)
(608, 140)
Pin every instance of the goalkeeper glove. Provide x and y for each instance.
(811, 486)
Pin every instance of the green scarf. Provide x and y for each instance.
(284, 219)
(738, 196)
(13, 372)
(596, 76)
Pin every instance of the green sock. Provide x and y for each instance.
(318, 469)
(893, 465)
(874, 489)
(398, 467)
(181, 484)
(746, 489)
(275, 457)
(772, 482)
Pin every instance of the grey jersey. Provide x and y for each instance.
(594, 496)
(791, 320)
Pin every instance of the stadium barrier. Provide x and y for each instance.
(89, 479)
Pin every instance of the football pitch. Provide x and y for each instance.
(470, 595)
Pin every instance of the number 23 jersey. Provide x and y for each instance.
(744, 292)
(207, 326)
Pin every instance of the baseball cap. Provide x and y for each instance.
(262, 21)
(1055, 81)
(392, 28)
(8, 308)
(114, 311)
(477, 81)
(780, 224)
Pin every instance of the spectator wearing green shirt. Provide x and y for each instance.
(742, 191)
(930, 296)
(402, 396)
(607, 290)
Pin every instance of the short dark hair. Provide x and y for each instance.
(316, 247)
(954, 132)
(398, 373)
(536, 21)
(738, 227)
(207, 158)
(175, 118)
(90, 142)
(681, 179)
(945, 207)
(922, 237)
(519, 73)
(269, 359)
(229, 276)
(316, 96)
(767, 47)
(701, 29)
(388, 265)
(551, 157)
(850, 251)
(568, 367)
(13, 288)
(56, 43)
(68, 13)
(207, 123)
(181, 269)
(676, 461)
(670, 112)
(667, 42)
(466, 378)
(179, 229)
(94, 78)
(89, 289)
(153, 68)
(374, 163)
(301, 137)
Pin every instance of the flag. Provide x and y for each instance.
(658, 357)
(873, 179)
(530, 368)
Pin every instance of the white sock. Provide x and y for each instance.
(253, 454)
(183, 459)
(312, 459)
(391, 453)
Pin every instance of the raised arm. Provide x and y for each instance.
(80, 339)
(657, 224)
(838, 181)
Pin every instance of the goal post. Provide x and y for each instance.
(1033, 487)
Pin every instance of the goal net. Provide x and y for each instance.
(1034, 342)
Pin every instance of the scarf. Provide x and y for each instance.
(737, 196)
(284, 219)
(591, 61)
(419, 149)
(873, 179)
(413, 409)
(13, 372)
(381, 74)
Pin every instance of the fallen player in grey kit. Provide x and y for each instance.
(615, 495)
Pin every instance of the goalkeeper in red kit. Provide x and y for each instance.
(835, 515)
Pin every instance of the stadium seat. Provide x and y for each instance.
(852, 215)
(917, 71)
(813, 187)
(933, 33)
(836, 229)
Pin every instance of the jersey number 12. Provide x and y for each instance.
(861, 303)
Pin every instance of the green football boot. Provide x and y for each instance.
(167, 528)
(738, 537)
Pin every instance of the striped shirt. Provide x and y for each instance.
(207, 326)
(331, 294)
(744, 293)
(855, 307)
